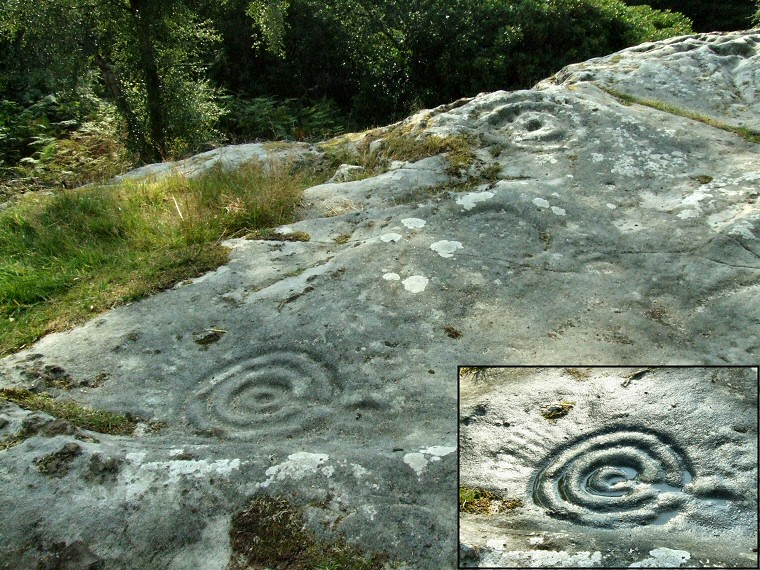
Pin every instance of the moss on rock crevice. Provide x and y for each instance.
(270, 532)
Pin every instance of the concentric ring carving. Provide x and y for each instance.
(276, 392)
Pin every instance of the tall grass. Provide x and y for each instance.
(66, 257)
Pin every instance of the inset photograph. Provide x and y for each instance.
(607, 467)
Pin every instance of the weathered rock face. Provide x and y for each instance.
(581, 230)
(710, 74)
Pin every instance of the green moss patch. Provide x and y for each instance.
(452, 332)
(405, 144)
(81, 416)
(270, 533)
(57, 464)
(556, 410)
(271, 235)
(484, 502)
(13, 440)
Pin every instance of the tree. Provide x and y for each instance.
(147, 55)
(426, 52)
(709, 15)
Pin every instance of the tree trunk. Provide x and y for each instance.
(147, 54)
(136, 138)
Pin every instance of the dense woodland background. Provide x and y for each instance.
(91, 87)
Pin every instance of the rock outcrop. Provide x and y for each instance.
(571, 225)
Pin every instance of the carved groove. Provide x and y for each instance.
(614, 478)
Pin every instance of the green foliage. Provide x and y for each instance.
(162, 65)
(92, 153)
(23, 127)
(67, 256)
(272, 119)
(380, 60)
(150, 57)
(709, 15)
(269, 16)
(182, 44)
(66, 139)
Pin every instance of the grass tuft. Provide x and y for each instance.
(743, 132)
(66, 257)
(400, 143)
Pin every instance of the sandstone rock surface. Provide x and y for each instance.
(226, 157)
(581, 230)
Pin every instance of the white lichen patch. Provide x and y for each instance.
(413, 223)
(370, 511)
(471, 199)
(358, 470)
(438, 450)
(298, 466)
(415, 283)
(611, 206)
(496, 543)
(391, 276)
(663, 558)
(539, 559)
(446, 248)
(743, 229)
(419, 460)
(136, 457)
(740, 217)
(139, 477)
(540, 202)
(558, 211)
(197, 468)
(687, 214)
(389, 237)
(694, 198)
(625, 166)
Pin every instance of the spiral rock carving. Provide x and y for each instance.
(614, 478)
(275, 392)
